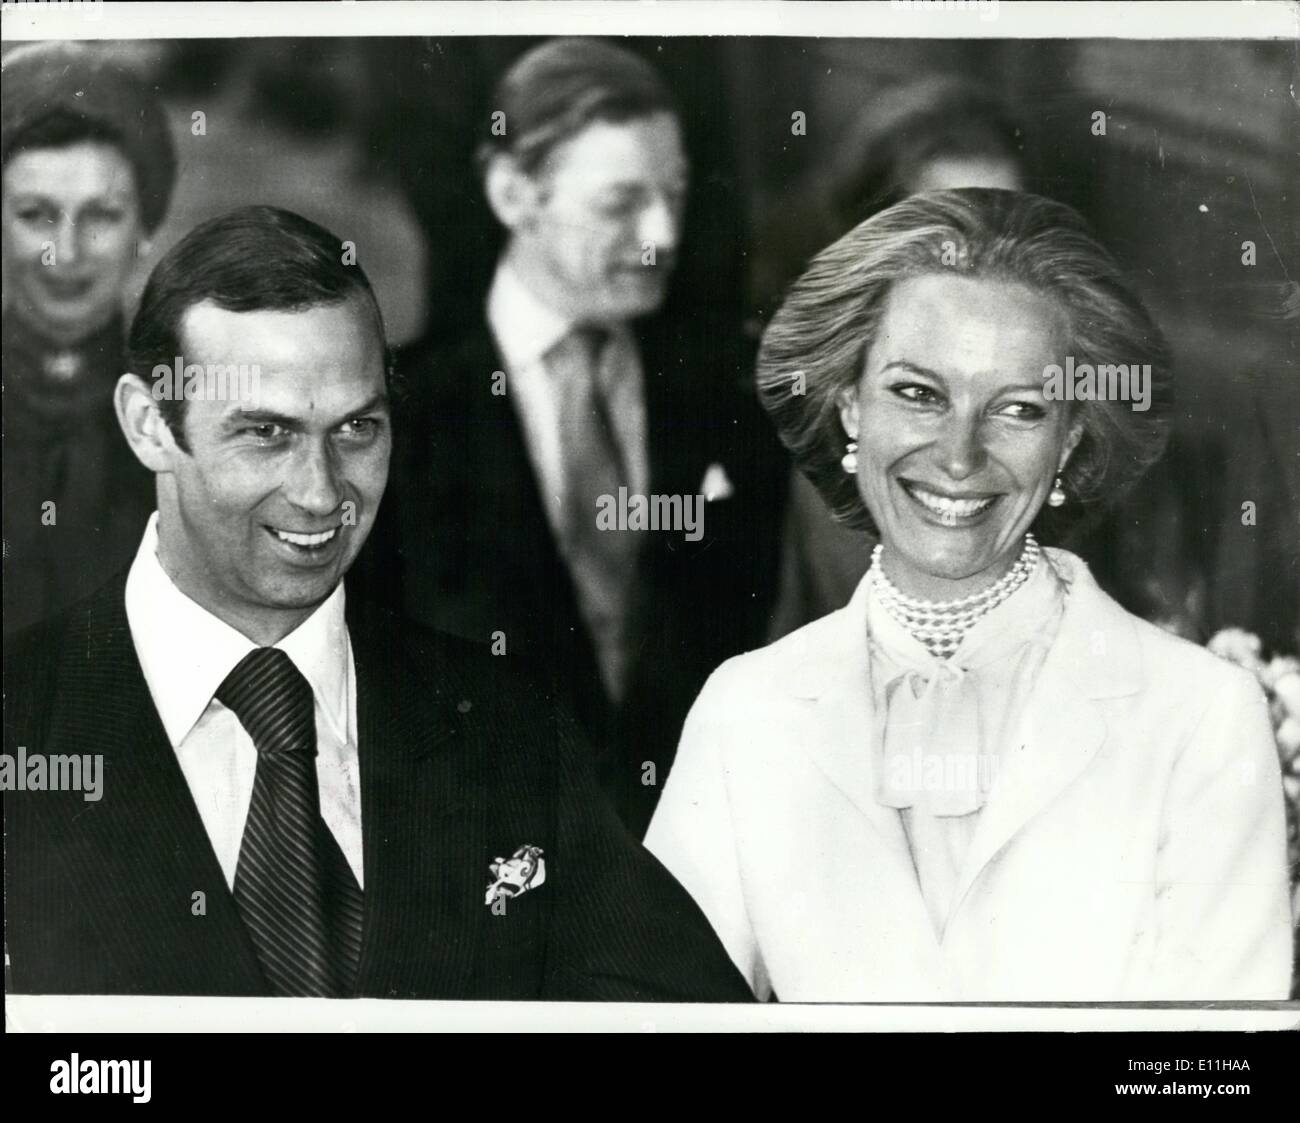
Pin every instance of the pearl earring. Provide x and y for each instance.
(1056, 497)
(849, 461)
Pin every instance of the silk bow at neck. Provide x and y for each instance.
(940, 724)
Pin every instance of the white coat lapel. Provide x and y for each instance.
(1095, 657)
(835, 677)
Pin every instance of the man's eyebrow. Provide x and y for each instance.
(378, 402)
(636, 184)
(270, 417)
(239, 416)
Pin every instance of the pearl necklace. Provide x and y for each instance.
(942, 625)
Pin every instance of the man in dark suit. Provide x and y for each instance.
(296, 794)
(568, 405)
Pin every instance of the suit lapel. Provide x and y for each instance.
(1095, 657)
(141, 851)
(514, 478)
(507, 496)
(418, 936)
(667, 454)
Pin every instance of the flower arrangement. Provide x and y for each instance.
(1280, 678)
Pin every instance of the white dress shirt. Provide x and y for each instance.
(186, 653)
(525, 329)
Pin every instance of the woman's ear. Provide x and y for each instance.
(847, 400)
(1072, 439)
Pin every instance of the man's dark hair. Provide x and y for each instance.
(249, 260)
(556, 90)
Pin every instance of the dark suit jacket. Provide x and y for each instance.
(460, 763)
(465, 545)
(69, 451)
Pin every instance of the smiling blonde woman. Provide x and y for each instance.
(982, 779)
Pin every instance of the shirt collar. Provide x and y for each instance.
(186, 652)
(524, 327)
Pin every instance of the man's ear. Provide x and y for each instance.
(142, 422)
(511, 193)
(848, 403)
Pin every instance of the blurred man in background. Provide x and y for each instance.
(569, 394)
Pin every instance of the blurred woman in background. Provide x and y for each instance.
(981, 780)
(88, 169)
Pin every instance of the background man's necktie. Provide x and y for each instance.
(293, 887)
(602, 562)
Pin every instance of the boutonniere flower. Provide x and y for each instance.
(525, 870)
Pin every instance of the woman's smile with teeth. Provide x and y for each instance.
(947, 507)
(308, 540)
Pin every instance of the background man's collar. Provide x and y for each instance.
(524, 326)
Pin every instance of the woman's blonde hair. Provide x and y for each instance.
(818, 341)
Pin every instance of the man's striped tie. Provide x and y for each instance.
(293, 886)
